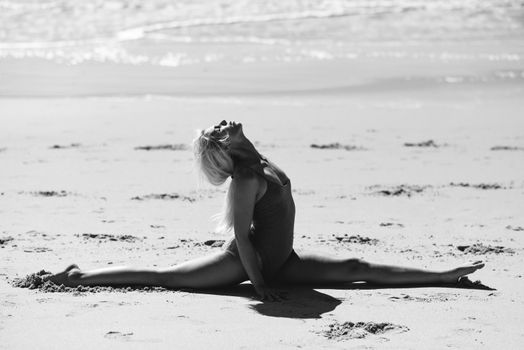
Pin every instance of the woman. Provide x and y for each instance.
(261, 212)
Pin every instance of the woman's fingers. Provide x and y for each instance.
(269, 294)
(272, 295)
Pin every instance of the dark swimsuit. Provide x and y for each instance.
(273, 220)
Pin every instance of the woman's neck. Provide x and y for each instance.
(245, 153)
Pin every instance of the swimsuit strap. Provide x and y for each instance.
(264, 169)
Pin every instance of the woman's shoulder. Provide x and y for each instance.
(262, 169)
(247, 175)
(247, 180)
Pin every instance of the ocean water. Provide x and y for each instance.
(188, 32)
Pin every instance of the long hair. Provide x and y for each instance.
(215, 163)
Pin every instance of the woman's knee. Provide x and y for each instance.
(356, 267)
(164, 279)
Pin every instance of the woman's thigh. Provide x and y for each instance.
(313, 268)
(216, 270)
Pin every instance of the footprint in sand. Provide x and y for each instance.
(442, 297)
(61, 193)
(32, 281)
(480, 186)
(423, 144)
(164, 147)
(359, 330)
(215, 243)
(109, 237)
(507, 148)
(390, 224)
(118, 335)
(481, 249)
(400, 190)
(515, 228)
(71, 145)
(357, 239)
(5, 240)
(303, 192)
(336, 145)
(37, 250)
(163, 196)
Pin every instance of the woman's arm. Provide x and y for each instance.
(245, 189)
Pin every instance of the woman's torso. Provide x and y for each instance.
(273, 218)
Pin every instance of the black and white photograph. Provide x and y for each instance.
(248, 174)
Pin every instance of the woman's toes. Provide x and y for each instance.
(65, 277)
(58, 278)
(71, 267)
(455, 275)
(478, 264)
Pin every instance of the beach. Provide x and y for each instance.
(405, 152)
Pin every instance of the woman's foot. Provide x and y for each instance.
(68, 277)
(453, 276)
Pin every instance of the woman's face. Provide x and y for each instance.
(231, 129)
(238, 144)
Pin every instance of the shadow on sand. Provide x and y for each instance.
(306, 302)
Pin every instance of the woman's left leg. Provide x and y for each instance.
(311, 269)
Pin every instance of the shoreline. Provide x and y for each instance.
(342, 77)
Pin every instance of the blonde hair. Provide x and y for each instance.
(215, 163)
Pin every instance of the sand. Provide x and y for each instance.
(429, 177)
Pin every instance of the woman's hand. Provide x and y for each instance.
(268, 294)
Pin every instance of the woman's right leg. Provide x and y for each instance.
(217, 270)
